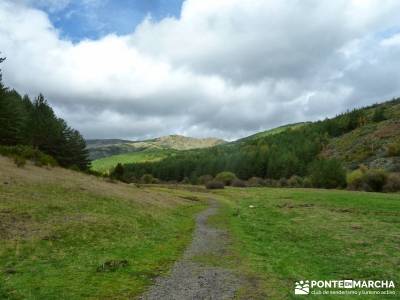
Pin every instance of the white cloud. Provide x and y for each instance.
(225, 68)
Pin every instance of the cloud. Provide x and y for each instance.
(225, 68)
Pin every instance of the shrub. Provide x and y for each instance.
(204, 179)
(255, 182)
(118, 172)
(392, 184)
(19, 161)
(379, 115)
(214, 185)
(185, 180)
(74, 168)
(327, 174)
(393, 150)
(45, 160)
(147, 179)
(295, 181)
(193, 180)
(283, 182)
(28, 153)
(355, 180)
(270, 182)
(307, 183)
(239, 183)
(226, 177)
(374, 180)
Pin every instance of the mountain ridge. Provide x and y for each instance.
(101, 148)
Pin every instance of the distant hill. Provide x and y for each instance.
(109, 147)
(369, 136)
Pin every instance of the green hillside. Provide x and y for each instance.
(362, 136)
(272, 131)
(376, 145)
(107, 163)
(104, 148)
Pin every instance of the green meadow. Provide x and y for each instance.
(280, 236)
(104, 165)
(65, 235)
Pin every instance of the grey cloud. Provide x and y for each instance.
(226, 68)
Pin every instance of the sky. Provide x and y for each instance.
(137, 69)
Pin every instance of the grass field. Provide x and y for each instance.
(107, 163)
(297, 234)
(65, 235)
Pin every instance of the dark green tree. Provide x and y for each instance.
(118, 172)
(327, 174)
(379, 115)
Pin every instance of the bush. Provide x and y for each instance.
(147, 179)
(368, 180)
(270, 182)
(307, 183)
(215, 185)
(392, 184)
(74, 168)
(379, 115)
(45, 160)
(28, 153)
(239, 183)
(295, 181)
(204, 179)
(393, 150)
(226, 177)
(355, 180)
(118, 172)
(19, 161)
(193, 180)
(374, 180)
(255, 182)
(283, 182)
(327, 174)
(185, 180)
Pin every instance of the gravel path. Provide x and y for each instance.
(190, 280)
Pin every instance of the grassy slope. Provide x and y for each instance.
(296, 234)
(368, 144)
(273, 131)
(107, 163)
(57, 227)
(365, 144)
(105, 148)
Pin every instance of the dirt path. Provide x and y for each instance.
(192, 280)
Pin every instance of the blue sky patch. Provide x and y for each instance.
(92, 19)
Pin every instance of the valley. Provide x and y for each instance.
(68, 235)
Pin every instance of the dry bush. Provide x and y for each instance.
(215, 185)
(255, 182)
(295, 181)
(239, 183)
(392, 184)
(204, 179)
